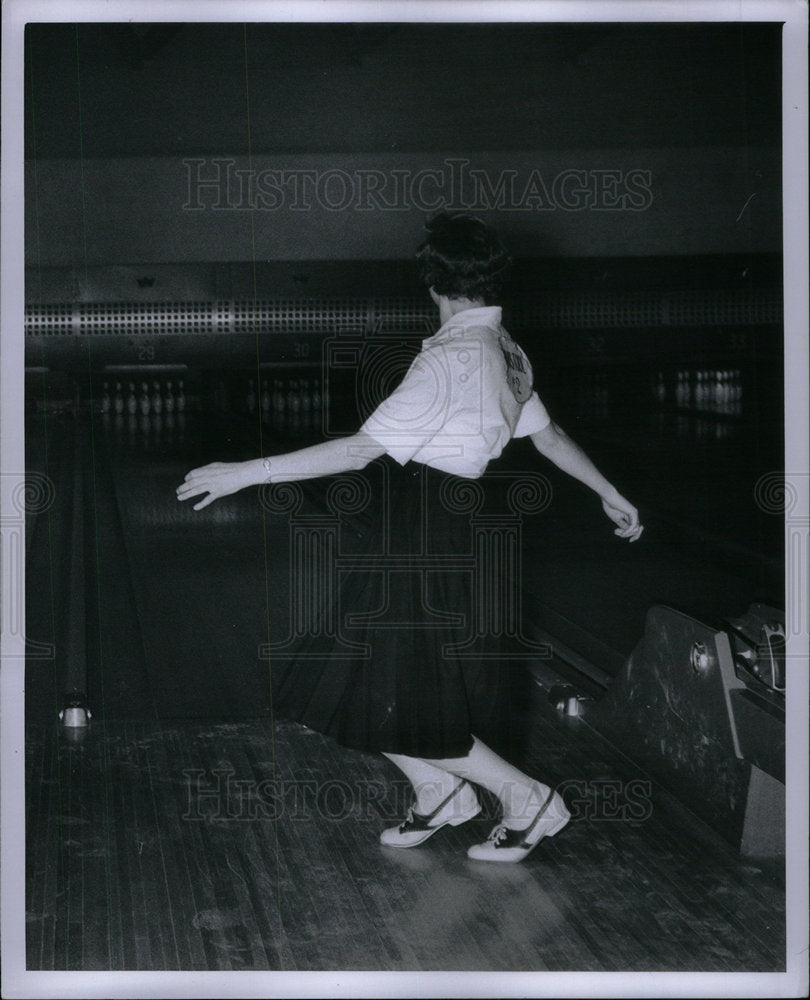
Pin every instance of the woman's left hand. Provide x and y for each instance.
(219, 479)
(625, 515)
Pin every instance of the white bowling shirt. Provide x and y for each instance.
(467, 393)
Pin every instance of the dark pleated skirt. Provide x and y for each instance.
(388, 665)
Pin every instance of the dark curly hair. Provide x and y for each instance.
(463, 258)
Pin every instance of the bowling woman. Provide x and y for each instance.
(413, 697)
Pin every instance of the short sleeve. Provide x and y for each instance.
(416, 410)
(533, 417)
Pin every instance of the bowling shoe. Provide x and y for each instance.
(505, 844)
(415, 829)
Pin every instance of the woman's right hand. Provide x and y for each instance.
(219, 479)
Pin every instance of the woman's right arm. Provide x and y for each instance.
(219, 479)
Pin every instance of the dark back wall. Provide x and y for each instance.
(216, 143)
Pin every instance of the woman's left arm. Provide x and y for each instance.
(219, 479)
(557, 446)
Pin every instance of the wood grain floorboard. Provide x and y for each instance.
(725, 923)
(252, 822)
(582, 857)
(630, 880)
(134, 870)
(370, 870)
(54, 856)
(167, 785)
(272, 878)
(585, 874)
(354, 837)
(228, 921)
(249, 951)
(684, 864)
(91, 849)
(131, 865)
(318, 845)
(679, 869)
(120, 919)
(40, 900)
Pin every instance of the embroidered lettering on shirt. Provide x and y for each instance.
(513, 360)
(519, 373)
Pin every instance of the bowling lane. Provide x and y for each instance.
(201, 595)
(694, 464)
(212, 586)
(49, 458)
(708, 549)
(79, 597)
(181, 600)
(200, 587)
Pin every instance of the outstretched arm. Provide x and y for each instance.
(325, 459)
(557, 446)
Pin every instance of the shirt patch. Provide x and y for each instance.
(519, 375)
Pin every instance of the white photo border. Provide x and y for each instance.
(17, 982)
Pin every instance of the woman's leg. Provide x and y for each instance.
(519, 794)
(432, 784)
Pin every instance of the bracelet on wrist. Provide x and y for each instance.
(267, 464)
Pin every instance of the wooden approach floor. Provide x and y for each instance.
(190, 846)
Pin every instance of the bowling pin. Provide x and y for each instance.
(145, 404)
(118, 399)
(733, 393)
(306, 396)
(168, 402)
(700, 391)
(132, 400)
(717, 391)
(294, 397)
(724, 392)
(180, 403)
(317, 400)
(680, 390)
(266, 402)
(106, 403)
(157, 398)
(251, 398)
